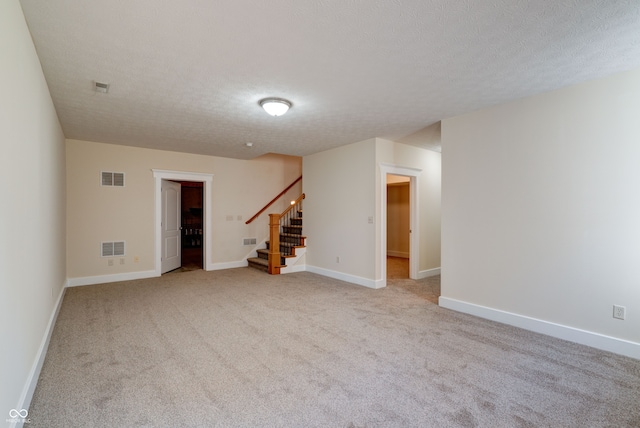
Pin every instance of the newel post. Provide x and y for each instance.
(274, 244)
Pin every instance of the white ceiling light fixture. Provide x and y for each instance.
(275, 106)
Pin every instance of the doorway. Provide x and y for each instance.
(412, 174)
(206, 245)
(398, 226)
(192, 228)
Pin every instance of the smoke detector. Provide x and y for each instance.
(101, 87)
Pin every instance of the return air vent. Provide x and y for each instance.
(115, 179)
(249, 241)
(101, 87)
(113, 249)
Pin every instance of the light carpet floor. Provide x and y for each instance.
(240, 348)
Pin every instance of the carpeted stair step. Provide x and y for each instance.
(285, 249)
(263, 253)
(292, 229)
(292, 238)
(259, 263)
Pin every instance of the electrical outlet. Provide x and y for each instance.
(110, 262)
(618, 312)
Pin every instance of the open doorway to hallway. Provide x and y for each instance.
(398, 226)
(424, 283)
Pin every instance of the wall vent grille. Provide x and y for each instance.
(115, 179)
(113, 249)
(101, 87)
(249, 241)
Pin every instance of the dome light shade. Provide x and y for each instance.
(275, 106)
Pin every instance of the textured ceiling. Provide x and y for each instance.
(187, 75)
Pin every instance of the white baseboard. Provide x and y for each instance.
(103, 279)
(227, 265)
(429, 272)
(34, 374)
(293, 269)
(370, 283)
(583, 337)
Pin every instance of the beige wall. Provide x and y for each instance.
(339, 185)
(540, 207)
(32, 226)
(343, 210)
(97, 213)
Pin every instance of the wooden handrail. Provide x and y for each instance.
(293, 204)
(272, 201)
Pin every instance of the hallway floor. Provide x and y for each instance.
(397, 268)
(398, 276)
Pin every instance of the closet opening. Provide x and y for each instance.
(192, 239)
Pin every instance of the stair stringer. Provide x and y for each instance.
(292, 261)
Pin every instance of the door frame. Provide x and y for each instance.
(207, 226)
(414, 223)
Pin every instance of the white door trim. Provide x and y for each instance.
(207, 186)
(414, 223)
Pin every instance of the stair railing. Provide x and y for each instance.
(272, 201)
(277, 223)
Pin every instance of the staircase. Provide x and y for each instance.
(291, 243)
